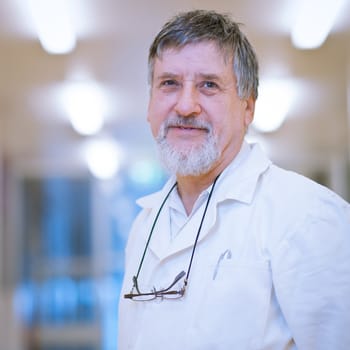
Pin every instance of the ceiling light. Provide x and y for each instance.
(314, 22)
(53, 23)
(103, 157)
(85, 104)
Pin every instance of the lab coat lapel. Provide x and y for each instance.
(160, 240)
(187, 236)
(161, 234)
(160, 243)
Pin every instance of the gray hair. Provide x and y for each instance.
(200, 26)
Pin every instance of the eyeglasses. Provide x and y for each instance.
(166, 293)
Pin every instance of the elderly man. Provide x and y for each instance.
(233, 252)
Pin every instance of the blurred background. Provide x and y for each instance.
(75, 149)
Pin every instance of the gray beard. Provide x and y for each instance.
(189, 161)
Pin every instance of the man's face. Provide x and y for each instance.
(194, 105)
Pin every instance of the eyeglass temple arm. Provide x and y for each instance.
(177, 279)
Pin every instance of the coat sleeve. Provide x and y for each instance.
(311, 274)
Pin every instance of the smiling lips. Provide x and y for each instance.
(188, 128)
(186, 132)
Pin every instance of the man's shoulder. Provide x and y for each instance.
(298, 188)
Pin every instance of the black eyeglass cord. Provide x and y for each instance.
(199, 230)
(152, 228)
(197, 236)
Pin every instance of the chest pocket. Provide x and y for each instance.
(233, 306)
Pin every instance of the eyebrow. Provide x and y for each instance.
(210, 76)
(202, 76)
(166, 75)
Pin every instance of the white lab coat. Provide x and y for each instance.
(271, 270)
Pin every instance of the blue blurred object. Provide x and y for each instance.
(67, 277)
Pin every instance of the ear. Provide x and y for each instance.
(149, 103)
(148, 114)
(249, 108)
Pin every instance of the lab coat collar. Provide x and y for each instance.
(239, 180)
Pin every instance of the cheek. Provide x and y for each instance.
(229, 129)
(160, 107)
(155, 116)
(224, 120)
(154, 125)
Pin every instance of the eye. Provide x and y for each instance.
(209, 87)
(168, 83)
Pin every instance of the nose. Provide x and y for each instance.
(187, 104)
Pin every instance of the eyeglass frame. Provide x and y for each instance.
(166, 292)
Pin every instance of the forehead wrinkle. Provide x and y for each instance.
(201, 76)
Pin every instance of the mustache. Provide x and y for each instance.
(189, 122)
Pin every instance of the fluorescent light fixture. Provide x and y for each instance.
(86, 105)
(104, 157)
(314, 22)
(53, 22)
(273, 104)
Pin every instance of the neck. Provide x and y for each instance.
(190, 187)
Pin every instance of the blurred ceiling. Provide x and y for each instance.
(113, 39)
